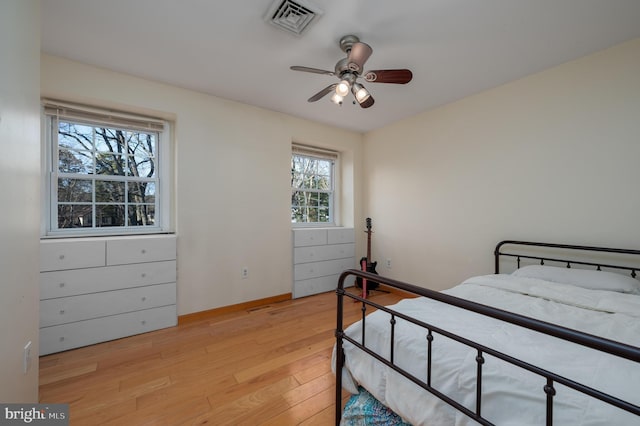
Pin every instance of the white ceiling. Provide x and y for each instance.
(454, 47)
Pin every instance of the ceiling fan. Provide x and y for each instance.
(349, 69)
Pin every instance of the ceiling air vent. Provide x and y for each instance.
(292, 16)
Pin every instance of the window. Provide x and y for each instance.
(104, 172)
(312, 185)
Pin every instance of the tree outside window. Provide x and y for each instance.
(106, 177)
(312, 189)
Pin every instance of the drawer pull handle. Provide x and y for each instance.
(61, 256)
(61, 311)
(61, 285)
(62, 339)
(143, 251)
(144, 275)
(144, 298)
(143, 322)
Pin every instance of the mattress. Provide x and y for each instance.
(511, 396)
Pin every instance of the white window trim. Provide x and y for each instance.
(93, 115)
(322, 153)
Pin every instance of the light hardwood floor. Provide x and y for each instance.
(268, 365)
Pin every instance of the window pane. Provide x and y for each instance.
(75, 190)
(310, 181)
(296, 215)
(316, 182)
(109, 215)
(305, 163)
(297, 164)
(110, 164)
(324, 183)
(74, 216)
(323, 200)
(312, 214)
(75, 161)
(142, 215)
(296, 179)
(110, 140)
(142, 144)
(141, 166)
(298, 197)
(142, 192)
(306, 182)
(323, 215)
(109, 191)
(75, 136)
(324, 168)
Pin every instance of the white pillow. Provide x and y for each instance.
(585, 278)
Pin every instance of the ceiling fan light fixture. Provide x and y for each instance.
(361, 94)
(342, 89)
(337, 99)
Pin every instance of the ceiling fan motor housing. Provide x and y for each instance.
(342, 67)
(347, 42)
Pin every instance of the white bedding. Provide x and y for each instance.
(511, 396)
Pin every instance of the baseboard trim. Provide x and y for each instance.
(210, 313)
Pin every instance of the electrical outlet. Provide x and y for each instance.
(388, 263)
(244, 272)
(26, 360)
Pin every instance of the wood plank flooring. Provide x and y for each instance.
(268, 365)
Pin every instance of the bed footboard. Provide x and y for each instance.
(591, 341)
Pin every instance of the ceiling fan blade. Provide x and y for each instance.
(309, 69)
(323, 93)
(367, 102)
(358, 55)
(401, 76)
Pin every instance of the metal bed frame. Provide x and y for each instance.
(594, 342)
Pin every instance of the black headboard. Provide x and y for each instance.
(517, 250)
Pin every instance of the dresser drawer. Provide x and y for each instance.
(141, 249)
(340, 236)
(311, 286)
(68, 336)
(320, 269)
(93, 280)
(78, 308)
(71, 254)
(320, 253)
(309, 237)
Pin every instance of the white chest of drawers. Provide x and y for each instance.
(100, 289)
(319, 256)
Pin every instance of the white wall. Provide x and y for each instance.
(552, 157)
(20, 195)
(232, 180)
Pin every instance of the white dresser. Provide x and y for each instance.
(98, 289)
(319, 256)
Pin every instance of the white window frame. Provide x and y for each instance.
(334, 158)
(54, 111)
